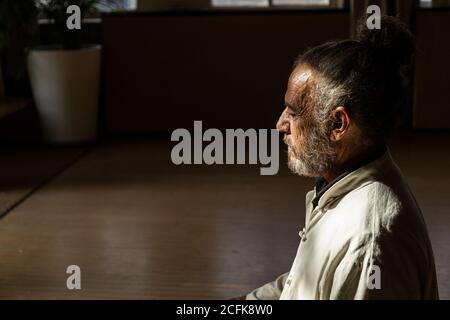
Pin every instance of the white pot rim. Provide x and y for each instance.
(85, 47)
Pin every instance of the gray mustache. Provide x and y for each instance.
(287, 140)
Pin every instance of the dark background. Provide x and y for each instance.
(164, 69)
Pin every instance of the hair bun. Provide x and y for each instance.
(392, 42)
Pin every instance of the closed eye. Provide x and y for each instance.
(291, 112)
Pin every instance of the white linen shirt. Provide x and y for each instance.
(366, 239)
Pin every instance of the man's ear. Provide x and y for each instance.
(341, 124)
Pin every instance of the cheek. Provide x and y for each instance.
(297, 133)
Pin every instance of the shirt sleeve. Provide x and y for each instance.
(392, 273)
(269, 291)
(349, 280)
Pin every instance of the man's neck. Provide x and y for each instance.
(355, 161)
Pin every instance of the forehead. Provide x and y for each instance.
(297, 82)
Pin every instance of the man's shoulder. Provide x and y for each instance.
(381, 210)
(377, 205)
(389, 195)
(373, 195)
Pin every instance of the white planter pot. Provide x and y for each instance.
(65, 86)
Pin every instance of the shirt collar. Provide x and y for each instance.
(323, 185)
(352, 179)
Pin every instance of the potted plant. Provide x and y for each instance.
(65, 77)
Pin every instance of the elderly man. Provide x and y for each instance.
(364, 236)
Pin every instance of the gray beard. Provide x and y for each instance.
(316, 157)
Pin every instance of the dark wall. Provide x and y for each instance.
(163, 71)
(432, 87)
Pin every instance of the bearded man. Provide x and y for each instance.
(364, 236)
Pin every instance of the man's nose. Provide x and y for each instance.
(283, 124)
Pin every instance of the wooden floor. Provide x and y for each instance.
(24, 169)
(142, 228)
